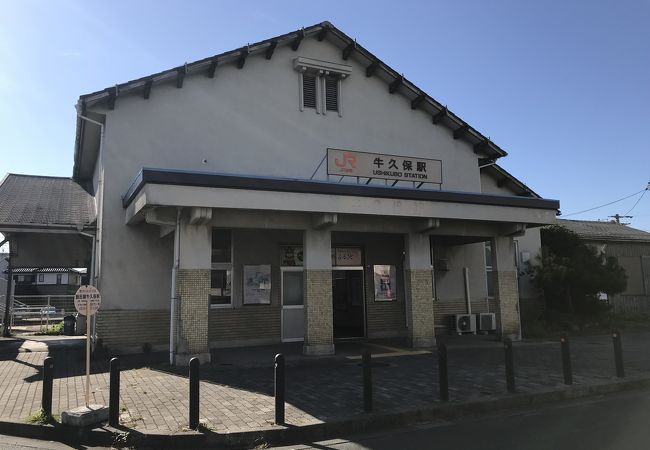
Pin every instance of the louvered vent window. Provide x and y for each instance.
(309, 91)
(332, 93)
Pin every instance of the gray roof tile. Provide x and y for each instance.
(604, 231)
(40, 200)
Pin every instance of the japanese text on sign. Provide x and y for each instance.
(87, 300)
(377, 165)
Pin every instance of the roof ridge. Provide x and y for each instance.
(440, 113)
(39, 176)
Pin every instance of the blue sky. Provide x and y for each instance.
(562, 86)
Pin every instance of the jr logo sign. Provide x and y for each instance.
(346, 162)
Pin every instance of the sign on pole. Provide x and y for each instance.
(87, 301)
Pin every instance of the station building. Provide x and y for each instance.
(296, 189)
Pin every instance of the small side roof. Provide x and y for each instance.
(604, 231)
(29, 202)
(19, 270)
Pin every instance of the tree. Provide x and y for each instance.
(572, 274)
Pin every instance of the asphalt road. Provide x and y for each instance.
(620, 422)
(15, 443)
(613, 422)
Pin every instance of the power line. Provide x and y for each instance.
(637, 202)
(606, 204)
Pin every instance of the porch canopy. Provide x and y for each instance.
(302, 204)
(191, 203)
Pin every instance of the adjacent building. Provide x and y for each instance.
(631, 248)
(39, 281)
(295, 189)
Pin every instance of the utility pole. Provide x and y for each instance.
(618, 218)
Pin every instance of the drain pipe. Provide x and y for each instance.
(92, 277)
(8, 302)
(174, 299)
(467, 296)
(99, 193)
(92, 280)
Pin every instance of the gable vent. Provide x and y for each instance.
(332, 93)
(308, 91)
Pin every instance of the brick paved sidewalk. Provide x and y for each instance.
(241, 399)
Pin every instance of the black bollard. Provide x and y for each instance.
(566, 359)
(48, 378)
(510, 365)
(618, 354)
(114, 394)
(443, 379)
(194, 393)
(279, 389)
(367, 382)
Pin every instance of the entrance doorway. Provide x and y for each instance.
(292, 319)
(348, 302)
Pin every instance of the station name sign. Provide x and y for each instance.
(386, 167)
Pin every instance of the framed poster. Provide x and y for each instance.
(385, 283)
(257, 285)
(346, 256)
(291, 255)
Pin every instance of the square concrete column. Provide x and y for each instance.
(506, 290)
(193, 292)
(319, 315)
(418, 286)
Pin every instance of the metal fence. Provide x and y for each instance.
(40, 309)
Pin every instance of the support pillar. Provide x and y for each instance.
(319, 315)
(506, 289)
(418, 286)
(193, 292)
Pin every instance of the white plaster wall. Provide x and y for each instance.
(246, 122)
(50, 278)
(450, 285)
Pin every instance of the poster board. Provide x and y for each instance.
(257, 285)
(385, 283)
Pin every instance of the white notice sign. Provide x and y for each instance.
(87, 300)
(376, 165)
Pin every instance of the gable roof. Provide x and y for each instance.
(503, 176)
(604, 231)
(30, 201)
(440, 114)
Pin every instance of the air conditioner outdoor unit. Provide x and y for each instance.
(487, 322)
(465, 323)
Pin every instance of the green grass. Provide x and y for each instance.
(54, 330)
(122, 439)
(39, 417)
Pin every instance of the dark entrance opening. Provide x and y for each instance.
(347, 297)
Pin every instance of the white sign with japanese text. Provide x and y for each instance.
(346, 256)
(377, 165)
(87, 300)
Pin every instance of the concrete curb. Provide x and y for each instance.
(107, 436)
